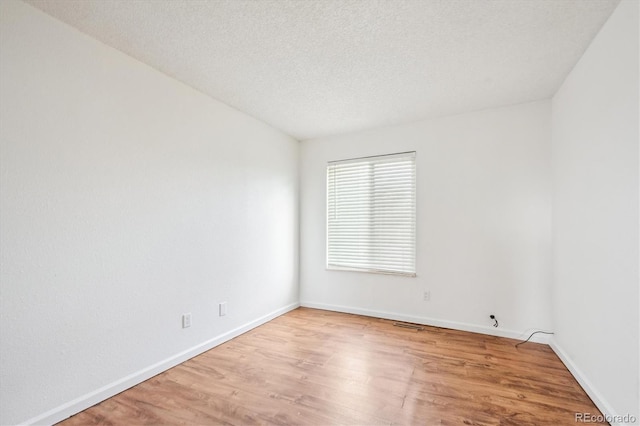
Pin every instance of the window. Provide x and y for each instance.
(371, 214)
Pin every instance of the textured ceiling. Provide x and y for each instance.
(319, 67)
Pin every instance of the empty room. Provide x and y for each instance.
(319, 212)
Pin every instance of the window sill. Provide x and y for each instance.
(371, 271)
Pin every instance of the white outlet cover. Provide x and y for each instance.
(223, 309)
(186, 320)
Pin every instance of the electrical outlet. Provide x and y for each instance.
(426, 296)
(186, 320)
(222, 309)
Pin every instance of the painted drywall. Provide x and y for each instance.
(127, 200)
(595, 216)
(483, 217)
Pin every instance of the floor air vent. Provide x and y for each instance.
(408, 325)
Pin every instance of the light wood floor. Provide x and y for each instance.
(313, 367)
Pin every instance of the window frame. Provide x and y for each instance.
(375, 266)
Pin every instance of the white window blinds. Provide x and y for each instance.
(371, 214)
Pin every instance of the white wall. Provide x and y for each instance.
(127, 199)
(483, 212)
(595, 219)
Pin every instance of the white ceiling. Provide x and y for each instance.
(320, 67)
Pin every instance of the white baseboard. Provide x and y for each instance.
(82, 403)
(474, 328)
(584, 382)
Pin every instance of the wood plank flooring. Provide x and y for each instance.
(314, 367)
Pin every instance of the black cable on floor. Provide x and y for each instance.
(535, 332)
